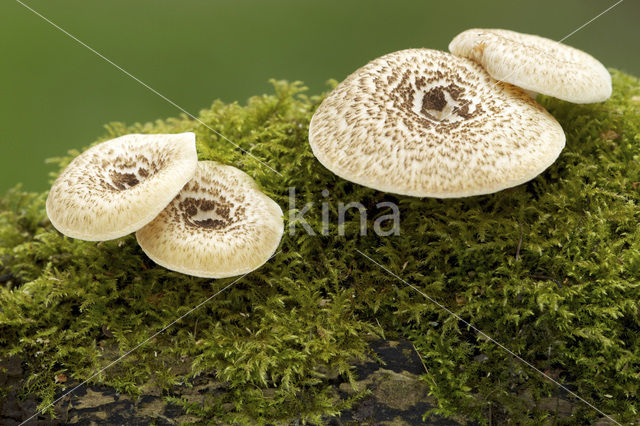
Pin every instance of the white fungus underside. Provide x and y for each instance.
(371, 130)
(536, 64)
(201, 251)
(84, 202)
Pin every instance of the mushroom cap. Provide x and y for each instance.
(118, 186)
(219, 225)
(536, 63)
(427, 123)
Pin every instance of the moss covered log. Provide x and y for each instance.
(550, 269)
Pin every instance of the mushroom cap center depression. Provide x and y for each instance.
(443, 102)
(207, 205)
(446, 103)
(207, 213)
(122, 173)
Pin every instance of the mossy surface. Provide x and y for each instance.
(550, 269)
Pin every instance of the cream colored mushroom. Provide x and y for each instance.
(219, 225)
(118, 186)
(536, 64)
(427, 123)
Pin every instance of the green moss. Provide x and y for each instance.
(550, 269)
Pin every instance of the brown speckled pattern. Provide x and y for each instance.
(427, 123)
(536, 64)
(118, 186)
(219, 225)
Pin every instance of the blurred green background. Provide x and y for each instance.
(56, 95)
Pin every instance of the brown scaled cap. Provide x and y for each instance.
(118, 186)
(219, 225)
(536, 64)
(427, 123)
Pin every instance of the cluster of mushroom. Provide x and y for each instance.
(200, 218)
(427, 123)
(416, 122)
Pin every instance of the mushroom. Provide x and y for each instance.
(536, 64)
(118, 186)
(219, 225)
(427, 123)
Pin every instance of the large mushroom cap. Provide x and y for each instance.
(219, 225)
(536, 64)
(429, 124)
(118, 186)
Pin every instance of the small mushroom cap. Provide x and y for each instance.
(536, 64)
(427, 123)
(116, 187)
(219, 225)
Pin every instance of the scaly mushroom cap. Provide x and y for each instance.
(219, 225)
(536, 64)
(429, 124)
(118, 186)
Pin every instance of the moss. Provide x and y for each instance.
(550, 269)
